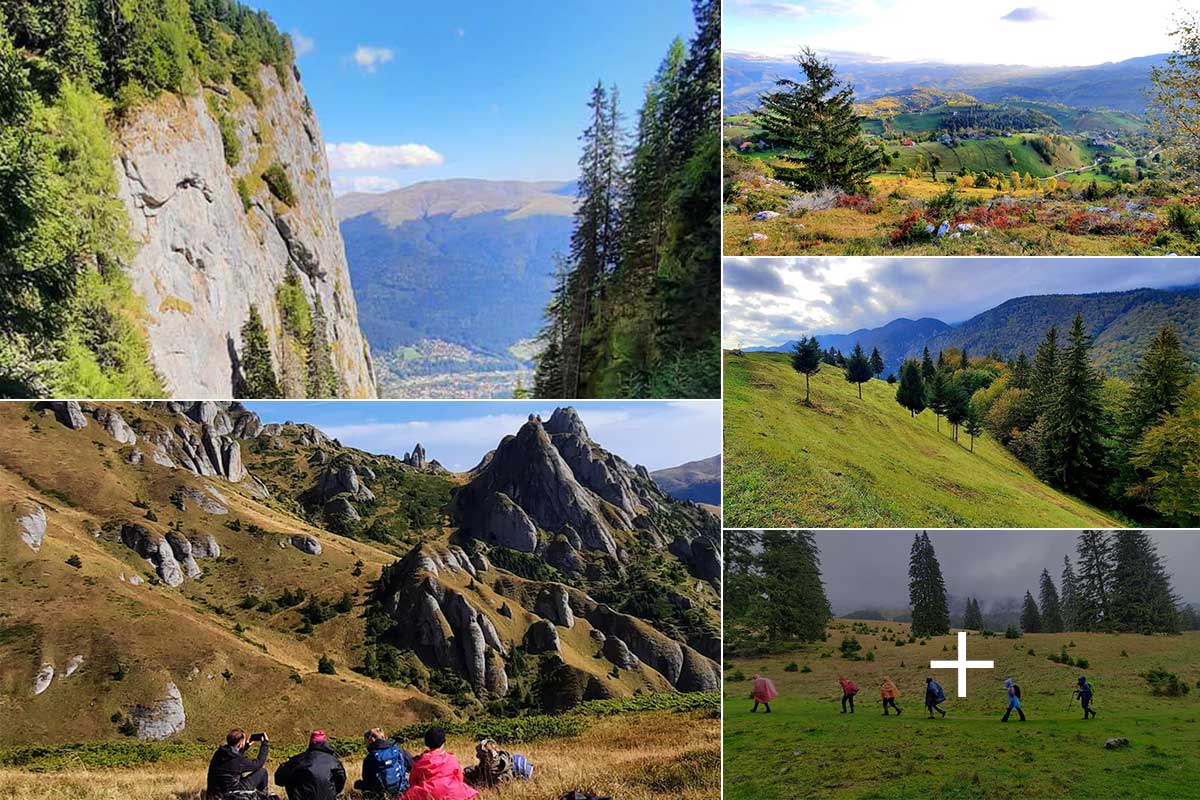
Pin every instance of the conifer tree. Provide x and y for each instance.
(935, 395)
(1044, 378)
(1072, 446)
(1051, 608)
(806, 359)
(1159, 384)
(1069, 600)
(927, 590)
(1141, 596)
(858, 368)
(1031, 617)
(1020, 372)
(1092, 605)
(957, 406)
(816, 116)
(911, 391)
(257, 366)
(321, 377)
(794, 602)
(973, 618)
(973, 423)
(927, 368)
(965, 363)
(876, 361)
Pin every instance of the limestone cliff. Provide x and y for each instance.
(215, 239)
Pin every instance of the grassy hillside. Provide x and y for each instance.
(991, 155)
(806, 742)
(846, 462)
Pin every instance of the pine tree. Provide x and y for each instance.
(973, 617)
(257, 366)
(1074, 416)
(927, 368)
(817, 117)
(1069, 600)
(927, 590)
(793, 597)
(973, 423)
(935, 395)
(1141, 597)
(858, 368)
(1052, 621)
(1031, 617)
(876, 361)
(321, 377)
(806, 359)
(911, 391)
(1092, 606)
(957, 406)
(1159, 384)
(1020, 372)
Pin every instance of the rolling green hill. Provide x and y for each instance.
(969, 755)
(991, 155)
(846, 462)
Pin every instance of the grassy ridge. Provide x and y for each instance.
(807, 748)
(846, 462)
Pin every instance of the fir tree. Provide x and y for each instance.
(257, 367)
(1074, 416)
(935, 395)
(1031, 617)
(321, 379)
(911, 391)
(1141, 597)
(973, 617)
(1044, 378)
(1159, 384)
(806, 359)
(973, 423)
(876, 361)
(927, 590)
(1092, 589)
(1020, 372)
(927, 368)
(817, 117)
(957, 406)
(1052, 621)
(1069, 600)
(793, 597)
(858, 368)
(965, 363)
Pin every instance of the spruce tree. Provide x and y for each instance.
(817, 117)
(1031, 617)
(806, 359)
(973, 423)
(927, 368)
(321, 379)
(257, 367)
(1044, 378)
(973, 617)
(1092, 604)
(957, 406)
(1074, 415)
(1052, 621)
(935, 395)
(911, 391)
(876, 361)
(1069, 600)
(927, 590)
(794, 602)
(1020, 372)
(858, 368)
(1159, 384)
(965, 363)
(1141, 597)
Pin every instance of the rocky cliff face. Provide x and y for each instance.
(214, 241)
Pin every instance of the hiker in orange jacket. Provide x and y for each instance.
(888, 692)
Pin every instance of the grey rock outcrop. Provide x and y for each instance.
(542, 637)
(701, 556)
(162, 719)
(340, 508)
(504, 523)
(42, 680)
(563, 557)
(416, 459)
(205, 545)
(154, 548)
(338, 478)
(31, 524)
(618, 653)
(306, 544)
(181, 548)
(73, 666)
(115, 425)
(208, 499)
(204, 259)
(67, 412)
(554, 603)
(686, 669)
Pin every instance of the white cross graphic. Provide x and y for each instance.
(962, 664)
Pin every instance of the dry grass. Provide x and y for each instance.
(629, 757)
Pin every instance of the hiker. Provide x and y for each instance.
(933, 696)
(315, 774)
(1084, 695)
(436, 774)
(1014, 700)
(764, 692)
(385, 768)
(234, 776)
(495, 766)
(888, 693)
(849, 689)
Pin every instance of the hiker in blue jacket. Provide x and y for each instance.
(934, 695)
(385, 768)
(1084, 695)
(1014, 700)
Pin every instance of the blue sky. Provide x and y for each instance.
(656, 434)
(481, 89)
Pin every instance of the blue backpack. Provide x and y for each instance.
(387, 767)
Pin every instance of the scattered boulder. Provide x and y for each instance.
(31, 523)
(618, 653)
(155, 549)
(135, 580)
(135, 457)
(563, 557)
(73, 666)
(340, 478)
(340, 508)
(755, 237)
(1116, 744)
(306, 544)
(554, 604)
(114, 424)
(67, 412)
(161, 720)
(42, 682)
(765, 215)
(205, 545)
(505, 611)
(943, 229)
(182, 549)
(542, 637)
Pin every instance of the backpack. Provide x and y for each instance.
(1017, 691)
(522, 767)
(387, 764)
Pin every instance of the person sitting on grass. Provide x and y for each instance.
(888, 693)
(495, 766)
(1014, 700)
(436, 774)
(1084, 694)
(763, 692)
(234, 776)
(849, 689)
(315, 774)
(385, 768)
(933, 696)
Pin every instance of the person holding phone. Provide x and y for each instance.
(232, 775)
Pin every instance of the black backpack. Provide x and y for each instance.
(1017, 691)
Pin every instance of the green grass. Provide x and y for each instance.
(807, 748)
(846, 462)
(991, 155)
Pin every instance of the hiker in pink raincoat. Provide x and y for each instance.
(764, 692)
(436, 774)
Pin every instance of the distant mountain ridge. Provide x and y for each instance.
(698, 481)
(1118, 85)
(1121, 322)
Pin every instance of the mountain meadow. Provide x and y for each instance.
(172, 570)
(859, 157)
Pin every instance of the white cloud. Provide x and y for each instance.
(370, 184)
(369, 57)
(360, 155)
(303, 45)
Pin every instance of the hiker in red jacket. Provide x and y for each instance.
(436, 774)
(849, 689)
(764, 692)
